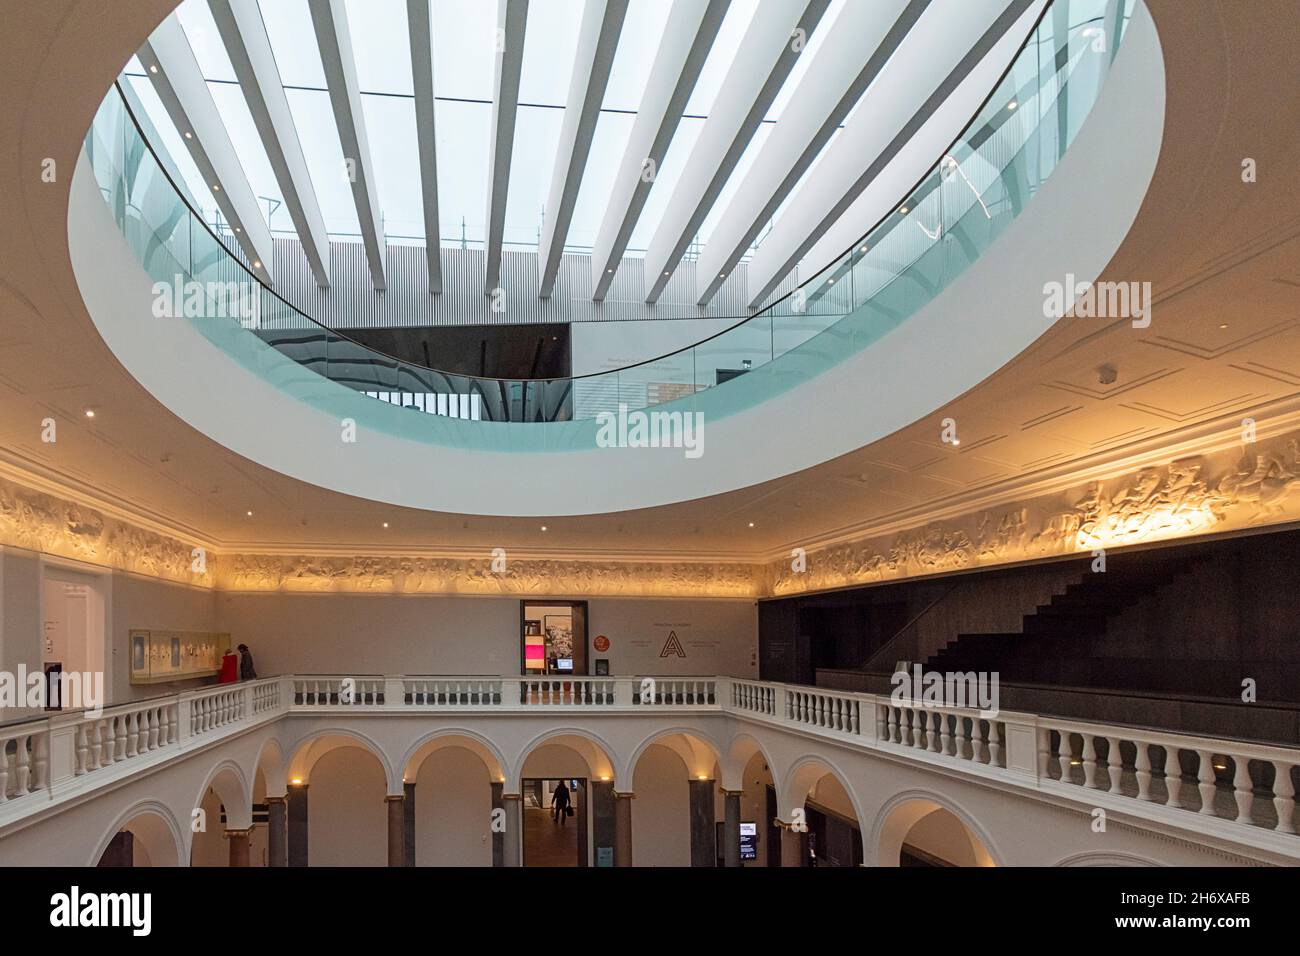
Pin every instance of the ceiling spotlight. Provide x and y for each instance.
(956, 441)
(257, 263)
(153, 68)
(236, 229)
(216, 188)
(862, 248)
(250, 514)
(830, 281)
(751, 524)
(610, 271)
(1224, 326)
(902, 210)
(189, 135)
(1012, 105)
(543, 527)
(385, 524)
(90, 413)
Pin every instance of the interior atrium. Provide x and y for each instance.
(649, 433)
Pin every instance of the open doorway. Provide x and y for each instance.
(73, 637)
(554, 838)
(553, 638)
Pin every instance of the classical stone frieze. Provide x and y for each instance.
(40, 522)
(247, 572)
(1257, 484)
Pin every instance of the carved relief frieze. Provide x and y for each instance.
(1255, 484)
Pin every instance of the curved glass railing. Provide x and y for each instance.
(957, 210)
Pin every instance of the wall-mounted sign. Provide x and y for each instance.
(601, 643)
(672, 646)
(749, 841)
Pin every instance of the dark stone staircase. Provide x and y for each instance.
(1058, 644)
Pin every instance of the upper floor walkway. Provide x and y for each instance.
(1030, 790)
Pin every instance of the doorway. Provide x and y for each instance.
(553, 638)
(73, 638)
(549, 841)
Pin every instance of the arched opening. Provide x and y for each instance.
(149, 836)
(822, 826)
(337, 812)
(584, 835)
(223, 805)
(922, 832)
(678, 803)
(453, 783)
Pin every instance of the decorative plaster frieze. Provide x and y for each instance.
(40, 522)
(1231, 490)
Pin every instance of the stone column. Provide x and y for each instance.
(396, 828)
(498, 836)
(704, 831)
(408, 837)
(602, 821)
(792, 847)
(623, 828)
(298, 825)
(277, 831)
(731, 828)
(238, 840)
(514, 836)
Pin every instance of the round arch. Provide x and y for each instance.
(443, 737)
(897, 817)
(154, 824)
(311, 748)
(234, 790)
(271, 764)
(698, 751)
(740, 751)
(1106, 858)
(803, 776)
(594, 750)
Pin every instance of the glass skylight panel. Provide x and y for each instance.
(550, 47)
(721, 56)
(243, 133)
(734, 180)
(643, 29)
(314, 118)
(463, 134)
(381, 46)
(464, 45)
(607, 145)
(670, 171)
(195, 17)
(537, 135)
(293, 41)
(813, 44)
(390, 127)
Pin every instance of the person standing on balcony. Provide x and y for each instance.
(246, 670)
(560, 801)
(229, 668)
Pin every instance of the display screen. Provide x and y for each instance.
(564, 664)
(749, 841)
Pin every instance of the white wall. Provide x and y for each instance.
(453, 810)
(431, 634)
(347, 819)
(661, 811)
(140, 603)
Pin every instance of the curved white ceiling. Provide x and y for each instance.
(983, 319)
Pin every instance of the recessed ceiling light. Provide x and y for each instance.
(216, 188)
(830, 281)
(751, 524)
(189, 135)
(90, 413)
(385, 524)
(543, 527)
(1012, 105)
(250, 514)
(236, 229)
(153, 68)
(1223, 326)
(257, 264)
(610, 271)
(862, 249)
(956, 441)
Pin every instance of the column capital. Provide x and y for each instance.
(237, 832)
(512, 796)
(283, 799)
(390, 797)
(624, 795)
(731, 793)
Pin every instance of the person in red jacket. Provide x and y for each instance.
(229, 668)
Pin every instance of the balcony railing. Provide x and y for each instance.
(1235, 790)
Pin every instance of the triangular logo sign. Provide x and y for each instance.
(672, 646)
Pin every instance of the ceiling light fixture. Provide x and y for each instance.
(250, 514)
(902, 210)
(216, 188)
(385, 524)
(1012, 105)
(153, 68)
(543, 527)
(189, 135)
(90, 413)
(751, 524)
(257, 264)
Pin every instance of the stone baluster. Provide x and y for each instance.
(1090, 761)
(96, 741)
(1283, 797)
(133, 735)
(23, 767)
(945, 735)
(1064, 756)
(1114, 764)
(995, 744)
(119, 750)
(1207, 782)
(1243, 788)
(1142, 769)
(976, 740)
(932, 732)
(1174, 777)
(960, 737)
(83, 751)
(4, 771)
